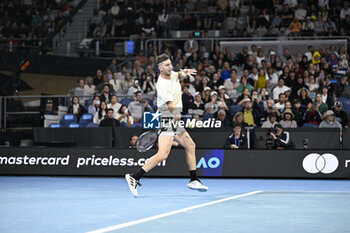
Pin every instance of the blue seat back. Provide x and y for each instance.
(68, 119)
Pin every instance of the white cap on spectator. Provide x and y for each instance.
(213, 93)
(221, 87)
(207, 89)
(197, 93)
(272, 53)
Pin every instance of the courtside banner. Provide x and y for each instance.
(210, 162)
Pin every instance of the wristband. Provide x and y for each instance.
(183, 74)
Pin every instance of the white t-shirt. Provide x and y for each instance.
(169, 90)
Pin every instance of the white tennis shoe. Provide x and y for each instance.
(133, 183)
(197, 185)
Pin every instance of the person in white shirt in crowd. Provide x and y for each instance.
(197, 107)
(212, 107)
(281, 102)
(116, 82)
(231, 85)
(122, 73)
(80, 91)
(128, 82)
(344, 11)
(123, 116)
(287, 119)
(138, 106)
(100, 115)
(114, 105)
(271, 121)
(330, 121)
(134, 88)
(281, 88)
(89, 86)
(95, 105)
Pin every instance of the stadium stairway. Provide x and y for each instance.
(77, 30)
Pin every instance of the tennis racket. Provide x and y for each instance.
(147, 140)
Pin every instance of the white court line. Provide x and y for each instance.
(148, 219)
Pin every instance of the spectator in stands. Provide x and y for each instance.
(223, 97)
(298, 85)
(80, 91)
(295, 27)
(187, 100)
(123, 116)
(340, 114)
(222, 117)
(281, 88)
(287, 119)
(212, 107)
(133, 140)
(148, 87)
(281, 102)
(250, 116)
(321, 107)
(261, 80)
(271, 121)
(329, 121)
(137, 70)
(206, 95)
(98, 78)
(128, 82)
(312, 115)
(286, 15)
(100, 115)
(122, 73)
(106, 95)
(326, 98)
(134, 88)
(89, 86)
(142, 59)
(239, 118)
(197, 106)
(49, 108)
(114, 104)
(236, 140)
(138, 106)
(282, 139)
(103, 83)
(243, 97)
(77, 109)
(191, 43)
(116, 83)
(231, 85)
(109, 120)
(244, 84)
(319, 26)
(298, 112)
(308, 27)
(95, 105)
(303, 94)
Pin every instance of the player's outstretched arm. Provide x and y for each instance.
(187, 72)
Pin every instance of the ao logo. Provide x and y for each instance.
(213, 162)
(325, 163)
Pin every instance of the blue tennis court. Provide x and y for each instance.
(56, 204)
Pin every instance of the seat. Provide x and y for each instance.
(68, 119)
(310, 125)
(92, 125)
(234, 109)
(150, 102)
(85, 119)
(126, 101)
(73, 125)
(55, 125)
(123, 124)
(135, 125)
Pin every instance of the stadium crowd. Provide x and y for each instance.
(250, 87)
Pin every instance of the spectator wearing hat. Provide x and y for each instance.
(281, 88)
(329, 121)
(340, 114)
(271, 121)
(282, 138)
(312, 115)
(212, 107)
(303, 94)
(287, 119)
(231, 85)
(197, 106)
(206, 95)
(187, 100)
(222, 117)
(237, 139)
(223, 97)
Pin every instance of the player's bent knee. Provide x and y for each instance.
(163, 155)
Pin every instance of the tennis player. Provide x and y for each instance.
(169, 104)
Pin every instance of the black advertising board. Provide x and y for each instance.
(210, 162)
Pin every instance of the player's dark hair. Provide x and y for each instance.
(161, 58)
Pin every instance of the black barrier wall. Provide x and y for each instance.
(210, 163)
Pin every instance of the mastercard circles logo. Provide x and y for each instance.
(325, 163)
